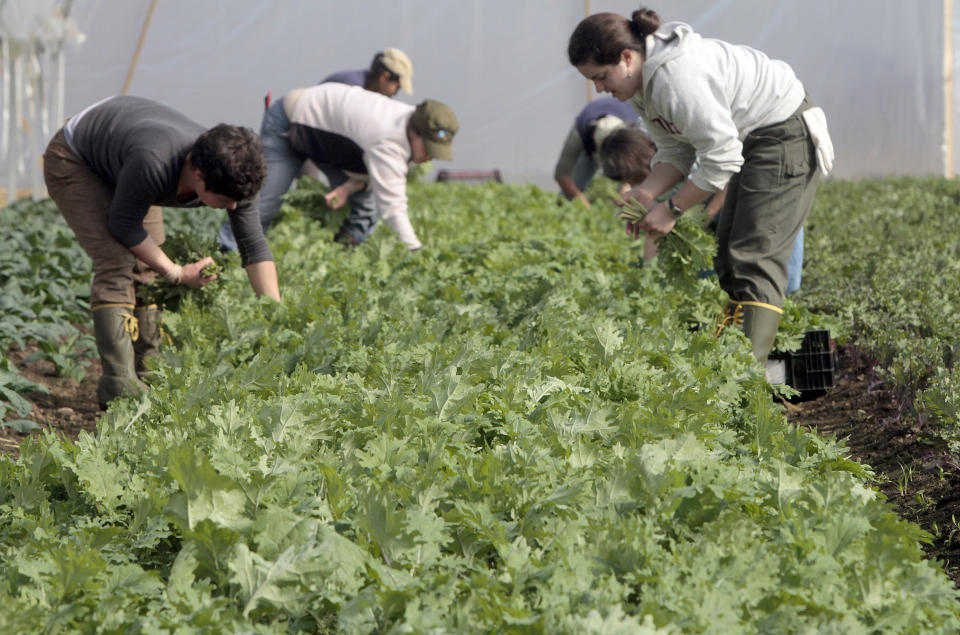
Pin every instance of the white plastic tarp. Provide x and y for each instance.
(33, 36)
(875, 66)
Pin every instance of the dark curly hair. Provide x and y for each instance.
(231, 161)
(625, 155)
(600, 38)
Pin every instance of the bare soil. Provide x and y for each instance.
(921, 481)
(70, 406)
(919, 478)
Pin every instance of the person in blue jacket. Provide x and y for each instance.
(579, 161)
(390, 71)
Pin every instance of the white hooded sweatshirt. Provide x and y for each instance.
(701, 97)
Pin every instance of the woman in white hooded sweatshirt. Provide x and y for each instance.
(746, 118)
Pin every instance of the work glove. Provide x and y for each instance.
(816, 122)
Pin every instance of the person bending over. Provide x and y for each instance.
(747, 122)
(364, 141)
(390, 71)
(580, 156)
(109, 169)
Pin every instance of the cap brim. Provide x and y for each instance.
(442, 151)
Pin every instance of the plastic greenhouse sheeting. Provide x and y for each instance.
(33, 40)
(875, 66)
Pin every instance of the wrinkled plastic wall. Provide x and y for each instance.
(875, 66)
(952, 142)
(33, 40)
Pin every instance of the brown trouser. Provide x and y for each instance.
(84, 200)
(766, 205)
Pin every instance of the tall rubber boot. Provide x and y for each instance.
(115, 329)
(147, 345)
(760, 324)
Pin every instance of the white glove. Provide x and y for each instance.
(817, 125)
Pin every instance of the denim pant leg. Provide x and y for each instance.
(283, 165)
(583, 171)
(363, 214)
(795, 265)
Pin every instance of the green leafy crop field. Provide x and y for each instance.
(516, 429)
(885, 258)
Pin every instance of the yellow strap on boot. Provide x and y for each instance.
(762, 305)
(131, 325)
(735, 316)
(130, 322)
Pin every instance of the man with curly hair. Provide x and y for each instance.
(109, 169)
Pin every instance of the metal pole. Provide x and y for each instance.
(7, 98)
(15, 158)
(60, 91)
(948, 170)
(36, 119)
(136, 53)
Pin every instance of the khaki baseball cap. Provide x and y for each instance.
(436, 123)
(401, 66)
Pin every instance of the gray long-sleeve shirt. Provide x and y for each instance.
(138, 147)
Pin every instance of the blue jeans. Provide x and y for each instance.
(795, 264)
(283, 166)
(363, 214)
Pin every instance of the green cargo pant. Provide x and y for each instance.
(766, 205)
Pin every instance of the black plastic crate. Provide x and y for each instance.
(814, 366)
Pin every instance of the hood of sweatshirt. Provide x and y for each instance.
(671, 40)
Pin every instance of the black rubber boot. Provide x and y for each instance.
(115, 329)
(347, 239)
(148, 344)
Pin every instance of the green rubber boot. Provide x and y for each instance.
(760, 324)
(115, 330)
(148, 344)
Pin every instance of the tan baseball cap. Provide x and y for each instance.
(400, 65)
(436, 123)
